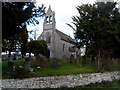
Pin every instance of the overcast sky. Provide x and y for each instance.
(64, 10)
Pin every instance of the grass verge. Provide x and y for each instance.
(65, 68)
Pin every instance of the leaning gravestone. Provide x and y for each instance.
(41, 61)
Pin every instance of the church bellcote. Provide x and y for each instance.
(49, 21)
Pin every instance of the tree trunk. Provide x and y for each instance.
(98, 59)
(10, 61)
(29, 54)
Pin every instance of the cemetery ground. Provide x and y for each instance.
(64, 68)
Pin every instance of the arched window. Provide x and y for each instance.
(47, 19)
(50, 19)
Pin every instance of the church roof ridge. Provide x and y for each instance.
(64, 36)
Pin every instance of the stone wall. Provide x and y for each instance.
(61, 81)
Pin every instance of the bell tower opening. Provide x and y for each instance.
(49, 21)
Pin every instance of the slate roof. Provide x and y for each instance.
(64, 36)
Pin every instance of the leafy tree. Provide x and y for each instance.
(38, 47)
(15, 17)
(95, 28)
(23, 39)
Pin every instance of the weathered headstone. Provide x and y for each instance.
(71, 58)
(29, 62)
(54, 63)
(10, 65)
(41, 61)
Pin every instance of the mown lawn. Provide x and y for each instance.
(17, 63)
(64, 68)
(5, 73)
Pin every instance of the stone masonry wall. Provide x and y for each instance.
(61, 81)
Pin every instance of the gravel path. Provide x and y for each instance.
(60, 81)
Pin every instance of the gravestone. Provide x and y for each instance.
(71, 58)
(41, 61)
(10, 65)
(29, 63)
(54, 63)
(79, 60)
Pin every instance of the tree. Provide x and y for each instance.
(95, 28)
(15, 17)
(38, 47)
(23, 39)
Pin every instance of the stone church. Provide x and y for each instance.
(58, 43)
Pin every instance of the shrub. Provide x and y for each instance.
(21, 73)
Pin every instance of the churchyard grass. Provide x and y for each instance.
(5, 74)
(64, 68)
(17, 63)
